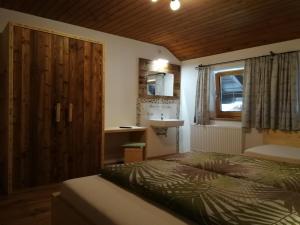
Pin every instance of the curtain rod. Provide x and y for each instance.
(238, 60)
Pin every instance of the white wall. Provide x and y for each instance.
(121, 63)
(189, 78)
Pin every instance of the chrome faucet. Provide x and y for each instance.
(162, 116)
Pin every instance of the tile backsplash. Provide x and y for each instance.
(153, 109)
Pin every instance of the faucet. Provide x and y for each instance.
(162, 116)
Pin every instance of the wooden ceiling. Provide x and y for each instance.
(200, 28)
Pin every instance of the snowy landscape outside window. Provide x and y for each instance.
(229, 94)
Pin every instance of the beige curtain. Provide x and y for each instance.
(271, 92)
(202, 97)
(257, 80)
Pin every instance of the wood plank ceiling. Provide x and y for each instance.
(200, 28)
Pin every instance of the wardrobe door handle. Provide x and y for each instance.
(70, 113)
(57, 112)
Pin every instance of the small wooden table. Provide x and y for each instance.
(115, 137)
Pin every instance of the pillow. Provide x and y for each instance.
(281, 153)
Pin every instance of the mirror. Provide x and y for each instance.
(160, 84)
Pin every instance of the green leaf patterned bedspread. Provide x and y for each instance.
(281, 175)
(216, 189)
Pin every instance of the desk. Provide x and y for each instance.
(115, 137)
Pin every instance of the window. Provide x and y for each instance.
(229, 94)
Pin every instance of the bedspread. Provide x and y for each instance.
(194, 187)
(278, 174)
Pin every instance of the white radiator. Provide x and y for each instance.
(214, 138)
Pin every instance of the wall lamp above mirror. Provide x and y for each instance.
(160, 64)
(158, 79)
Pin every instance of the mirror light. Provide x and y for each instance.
(160, 64)
(175, 5)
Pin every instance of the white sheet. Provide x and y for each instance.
(101, 200)
(275, 152)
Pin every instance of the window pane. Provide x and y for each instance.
(231, 93)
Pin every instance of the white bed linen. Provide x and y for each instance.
(275, 152)
(103, 202)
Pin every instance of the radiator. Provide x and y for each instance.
(213, 138)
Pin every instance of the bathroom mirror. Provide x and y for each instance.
(160, 84)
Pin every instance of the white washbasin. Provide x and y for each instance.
(166, 123)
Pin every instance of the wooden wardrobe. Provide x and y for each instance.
(51, 105)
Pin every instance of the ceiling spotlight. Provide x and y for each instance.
(175, 5)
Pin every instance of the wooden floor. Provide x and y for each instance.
(31, 207)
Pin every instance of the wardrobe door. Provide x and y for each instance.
(59, 155)
(5, 105)
(39, 69)
(57, 108)
(93, 107)
(85, 108)
(33, 85)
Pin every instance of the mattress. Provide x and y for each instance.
(105, 203)
(279, 153)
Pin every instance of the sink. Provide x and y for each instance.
(166, 123)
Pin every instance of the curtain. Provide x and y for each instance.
(271, 92)
(202, 97)
(257, 88)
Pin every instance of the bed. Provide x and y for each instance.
(191, 188)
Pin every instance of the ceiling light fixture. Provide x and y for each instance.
(174, 4)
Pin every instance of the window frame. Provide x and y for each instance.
(230, 115)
